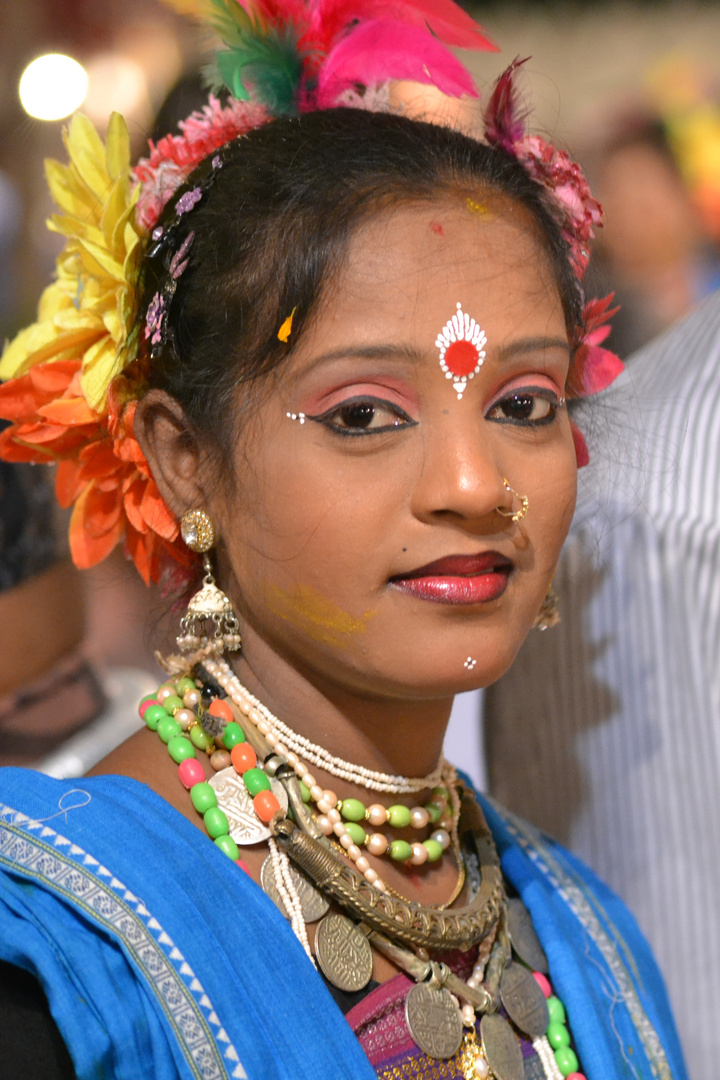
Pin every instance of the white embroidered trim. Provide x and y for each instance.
(69, 871)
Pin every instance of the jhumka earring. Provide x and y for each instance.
(514, 515)
(209, 619)
(549, 614)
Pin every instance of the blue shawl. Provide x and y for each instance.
(160, 958)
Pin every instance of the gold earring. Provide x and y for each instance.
(209, 619)
(197, 530)
(549, 614)
(516, 515)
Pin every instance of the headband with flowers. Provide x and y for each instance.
(72, 379)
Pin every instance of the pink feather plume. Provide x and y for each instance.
(598, 366)
(506, 116)
(444, 18)
(376, 51)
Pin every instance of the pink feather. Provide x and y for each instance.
(376, 51)
(598, 367)
(444, 18)
(506, 116)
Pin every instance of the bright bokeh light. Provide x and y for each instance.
(53, 86)
(115, 83)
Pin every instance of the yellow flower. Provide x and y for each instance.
(87, 314)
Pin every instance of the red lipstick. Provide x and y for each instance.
(458, 579)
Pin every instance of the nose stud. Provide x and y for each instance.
(516, 515)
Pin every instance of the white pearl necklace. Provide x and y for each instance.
(317, 755)
(330, 822)
(544, 1051)
(289, 896)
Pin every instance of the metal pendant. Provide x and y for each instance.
(232, 795)
(524, 1001)
(501, 1048)
(343, 953)
(534, 1069)
(313, 903)
(523, 937)
(434, 1021)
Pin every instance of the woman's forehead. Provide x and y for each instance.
(412, 264)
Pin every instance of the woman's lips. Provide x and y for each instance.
(458, 579)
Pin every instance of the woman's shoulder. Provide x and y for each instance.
(134, 783)
(144, 759)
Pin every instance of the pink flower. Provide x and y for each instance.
(173, 158)
(565, 179)
(596, 367)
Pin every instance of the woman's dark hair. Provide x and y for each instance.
(275, 223)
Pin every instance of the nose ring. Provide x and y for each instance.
(518, 515)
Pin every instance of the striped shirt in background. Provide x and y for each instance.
(606, 731)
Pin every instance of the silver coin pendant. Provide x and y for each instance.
(524, 1001)
(343, 953)
(524, 940)
(501, 1048)
(314, 905)
(434, 1021)
(233, 797)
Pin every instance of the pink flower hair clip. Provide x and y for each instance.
(595, 367)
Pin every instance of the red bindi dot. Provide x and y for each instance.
(437, 228)
(461, 344)
(461, 357)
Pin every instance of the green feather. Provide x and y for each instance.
(231, 21)
(264, 58)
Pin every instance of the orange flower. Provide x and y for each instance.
(67, 403)
(102, 472)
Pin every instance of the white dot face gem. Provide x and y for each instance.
(461, 343)
(470, 663)
(299, 416)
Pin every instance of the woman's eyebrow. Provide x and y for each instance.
(407, 354)
(404, 353)
(533, 344)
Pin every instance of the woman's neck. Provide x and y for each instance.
(394, 735)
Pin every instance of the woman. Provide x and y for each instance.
(352, 338)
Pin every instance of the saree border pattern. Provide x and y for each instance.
(609, 941)
(72, 873)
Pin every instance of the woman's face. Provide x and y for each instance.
(361, 537)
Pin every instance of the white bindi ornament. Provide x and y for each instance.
(461, 344)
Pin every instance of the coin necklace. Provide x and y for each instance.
(242, 807)
(234, 822)
(350, 833)
(432, 1013)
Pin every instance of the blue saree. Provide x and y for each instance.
(159, 957)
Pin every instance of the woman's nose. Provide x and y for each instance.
(461, 476)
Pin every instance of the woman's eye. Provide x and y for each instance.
(525, 407)
(363, 416)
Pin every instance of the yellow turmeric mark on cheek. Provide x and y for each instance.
(476, 207)
(316, 615)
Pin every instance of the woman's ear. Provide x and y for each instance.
(172, 450)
